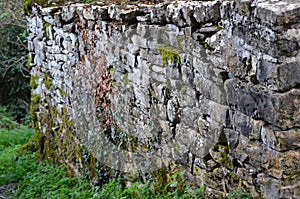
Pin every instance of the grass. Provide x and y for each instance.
(49, 181)
(14, 164)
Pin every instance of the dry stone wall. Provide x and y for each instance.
(211, 87)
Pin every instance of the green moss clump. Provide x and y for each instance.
(33, 81)
(47, 81)
(27, 4)
(125, 78)
(29, 61)
(233, 176)
(34, 143)
(46, 29)
(221, 155)
(169, 54)
(35, 99)
(62, 93)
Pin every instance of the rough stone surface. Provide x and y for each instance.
(211, 86)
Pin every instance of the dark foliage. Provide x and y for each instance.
(14, 70)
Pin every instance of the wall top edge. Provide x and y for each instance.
(273, 12)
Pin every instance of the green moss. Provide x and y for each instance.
(46, 29)
(34, 107)
(27, 4)
(91, 166)
(221, 155)
(33, 81)
(115, 84)
(125, 78)
(233, 176)
(35, 102)
(161, 178)
(47, 81)
(62, 93)
(55, 141)
(34, 144)
(169, 54)
(35, 99)
(168, 182)
(29, 61)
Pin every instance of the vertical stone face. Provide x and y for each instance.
(212, 87)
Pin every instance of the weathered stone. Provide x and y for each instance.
(207, 12)
(280, 109)
(246, 125)
(209, 30)
(139, 41)
(278, 12)
(281, 140)
(88, 14)
(68, 13)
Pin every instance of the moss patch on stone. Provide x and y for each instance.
(221, 155)
(47, 81)
(169, 54)
(34, 144)
(62, 93)
(35, 99)
(46, 27)
(33, 81)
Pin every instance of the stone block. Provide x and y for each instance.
(281, 140)
(278, 12)
(279, 109)
(209, 89)
(68, 13)
(207, 12)
(246, 125)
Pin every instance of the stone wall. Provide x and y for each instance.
(211, 87)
